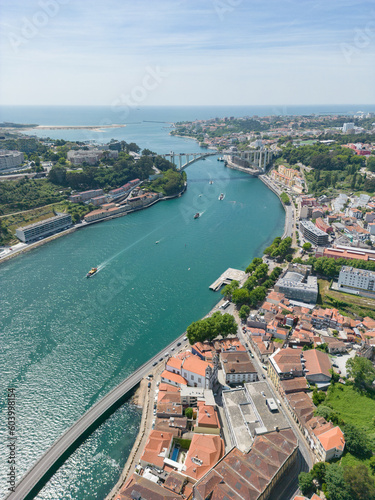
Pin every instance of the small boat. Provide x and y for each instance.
(196, 216)
(156, 242)
(211, 182)
(92, 272)
(220, 158)
(222, 196)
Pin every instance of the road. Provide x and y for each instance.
(288, 486)
(36, 477)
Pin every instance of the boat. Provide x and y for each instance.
(196, 216)
(222, 196)
(220, 158)
(156, 242)
(211, 182)
(92, 272)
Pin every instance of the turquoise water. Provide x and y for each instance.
(66, 341)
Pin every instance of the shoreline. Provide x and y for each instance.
(76, 227)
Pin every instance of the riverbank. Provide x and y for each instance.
(26, 247)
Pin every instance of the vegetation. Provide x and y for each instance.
(285, 198)
(362, 371)
(347, 304)
(244, 312)
(170, 183)
(280, 248)
(211, 327)
(189, 413)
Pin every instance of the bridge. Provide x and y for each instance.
(177, 158)
(253, 161)
(37, 476)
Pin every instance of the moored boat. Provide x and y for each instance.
(92, 272)
(222, 196)
(196, 216)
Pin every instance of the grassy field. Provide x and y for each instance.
(349, 303)
(354, 408)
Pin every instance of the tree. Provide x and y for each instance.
(356, 441)
(337, 488)
(319, 471)
(318, 396)
(361, 484)
(307, 246)
(211, 327)
(244, 312)
(228, 290)
(241, 296)
(305, 480)
(189, 413)
(362, 371)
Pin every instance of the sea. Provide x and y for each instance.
(66, 340)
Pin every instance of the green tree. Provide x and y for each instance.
(244, 312)
(318, 396)
(305, 481)
(240, 297)
(360, 483)
(189, 413)
(307, 246)
(362, 371)
(319, 471)
(357, 441)
(337, 489)
(228, 290)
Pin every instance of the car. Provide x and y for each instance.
(154, 364)
(172, 349)
(185, 338)
(263, 376)
(178, 344)
(149, 385)
(335, 365)
(166, 354)
(161, 359)
(246, 344)
(251, 355)
(150, 375)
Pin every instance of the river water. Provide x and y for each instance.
(66, 341)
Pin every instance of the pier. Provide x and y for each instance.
(227, 277)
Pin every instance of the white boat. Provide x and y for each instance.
(222, 196)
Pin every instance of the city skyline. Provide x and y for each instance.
(228, 52)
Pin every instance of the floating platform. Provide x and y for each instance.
(227, 277)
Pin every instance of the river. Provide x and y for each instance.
(66, 341)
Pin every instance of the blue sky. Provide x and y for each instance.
(187, 52)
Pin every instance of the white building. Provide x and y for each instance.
(358, 279)
(349, 126)
(10, 159)
(195, 371)
(44, 228)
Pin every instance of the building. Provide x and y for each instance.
(107, 210)
(238, 368)
(285, 364)
(317, 367)
(139, 487)
(204, 452)
(323, 226)
(331, 444)
(342, 252)
(157, 448)
(86, 195)
(313, 234)
(91, 156)
(253, 475)
(195, 371)
(207, 420)
(357, 279)
(10, 159)
(297, 286)
(44, 228)
(348, 127)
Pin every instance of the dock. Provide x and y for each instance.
(227, 277)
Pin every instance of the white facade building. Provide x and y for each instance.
(359, 279)
(10, 159)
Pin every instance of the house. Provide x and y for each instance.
(140, 487)
(237, 367)
(285, 364)
(331, 444)
(207, 420)
(317, 367)
(204, 452)
(195, 371)
(157, 448)
(172, 378)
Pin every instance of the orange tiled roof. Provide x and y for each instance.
(155, 447)
(204, 452)
(334, 438)
(317, 362)
(173, 377)
(196, 365)
(207, 415)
